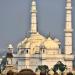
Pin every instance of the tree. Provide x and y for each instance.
(55, 68)
(62, 67)
(43, 69)
(59, 65)
(3, 63)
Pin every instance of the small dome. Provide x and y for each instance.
(10, 46)
(51, 44)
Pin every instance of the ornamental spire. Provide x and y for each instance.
(33, 17)
(68, 26)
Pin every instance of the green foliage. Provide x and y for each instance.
(59, 65)
(43, 68)
(62, 67)
(55, 68)
(3, 63)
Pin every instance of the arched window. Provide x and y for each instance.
(42, 48)
(43, 51)
(27, 51)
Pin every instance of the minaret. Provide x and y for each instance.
(33, 17)
(68, 28)
(10, 54)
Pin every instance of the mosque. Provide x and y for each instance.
(37, 49)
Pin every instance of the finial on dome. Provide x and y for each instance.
(10, 46)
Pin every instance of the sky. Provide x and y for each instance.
(15, 20)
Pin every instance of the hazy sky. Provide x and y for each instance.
(15, 20)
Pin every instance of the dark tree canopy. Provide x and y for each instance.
(59, 65)
(44, 69)
(3, 63)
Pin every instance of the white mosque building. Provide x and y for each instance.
(37, 49)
